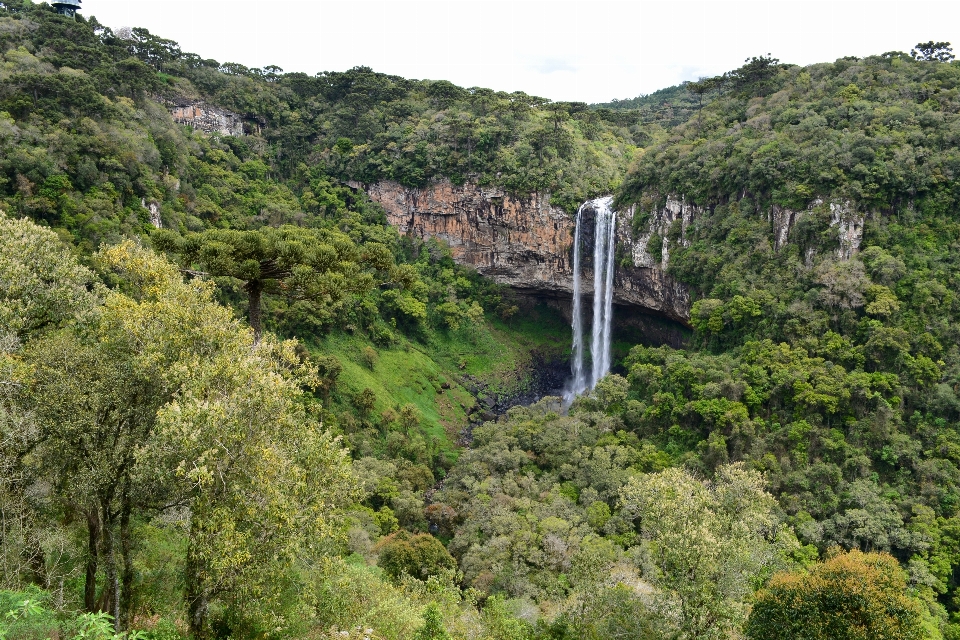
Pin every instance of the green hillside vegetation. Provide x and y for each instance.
(666, 108)
(277, 418)
(393, 328)
(838, 378)
(87, 158)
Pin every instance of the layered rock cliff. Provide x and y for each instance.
(528, 244)
(676, 215)
(525, 243)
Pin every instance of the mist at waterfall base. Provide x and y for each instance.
(604, 241)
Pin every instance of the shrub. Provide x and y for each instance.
(419, 555)
(370, 357)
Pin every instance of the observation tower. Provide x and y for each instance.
(67, 7)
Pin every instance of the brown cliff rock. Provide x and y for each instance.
(526, 243)
(207, 118)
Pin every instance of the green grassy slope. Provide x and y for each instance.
(452, 378)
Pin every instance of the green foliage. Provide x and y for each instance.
(810, 139)
(348, 596)
(370, 357)
(81, 80)
(301, 264)
(849, 596)
(432, 628)
(419, 555)
(26, 615)
(933, 51)
(41, 284)
(158, 376)
(652, 115)
(834, 371)
(563, 509)
(522, 492)
(706, 571)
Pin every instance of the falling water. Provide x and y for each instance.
(579, 382)
(603, 349)
(604, 242)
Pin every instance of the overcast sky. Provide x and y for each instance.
(588, 51)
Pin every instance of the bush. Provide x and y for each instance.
(419, 555)
(24, 615)
(370, 357)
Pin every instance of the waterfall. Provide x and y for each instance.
(604, 244)
(579, 383)
(606, 335)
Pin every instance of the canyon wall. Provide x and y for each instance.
(843, 215)
(524, 242)
(527, 244)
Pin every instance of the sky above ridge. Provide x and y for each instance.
(588, 51)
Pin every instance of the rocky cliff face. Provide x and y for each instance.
(843, 214)
(525, 243)
(207, 118)
(528, 245)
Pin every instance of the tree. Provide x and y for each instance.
(42, 288)
(755, 76)
(707, 543)
(94, 408)
(851, 596)
(432, 628)
(96, 388)
(158, 376)
(933, 51)
(262, 479)
(152, 49)
(41, 284)
(419, 555)
(302, 264)
(699, 89)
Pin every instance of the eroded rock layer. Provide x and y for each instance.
(524, 243)
(528, 245)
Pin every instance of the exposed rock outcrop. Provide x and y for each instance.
(207, 118)
(525, 243)
(154, 208)
(676, 211)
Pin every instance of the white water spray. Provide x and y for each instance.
(579, 381)
(604, 243)
(606, 335)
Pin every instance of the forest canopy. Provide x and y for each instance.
(236, 403)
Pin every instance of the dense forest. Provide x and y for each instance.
(236, 403)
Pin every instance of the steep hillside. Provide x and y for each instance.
(665, 108)
(170, 460)
(821, 239)
(89, 147)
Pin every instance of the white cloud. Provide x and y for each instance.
(564, 50)
(553, 65)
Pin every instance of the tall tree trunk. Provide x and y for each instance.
(112, 588)
(197, 599)
(93, 544)
(126, 581)
(254, 293)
